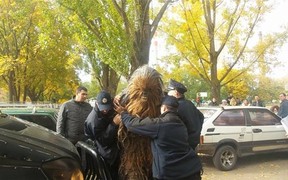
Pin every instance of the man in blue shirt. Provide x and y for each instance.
(283, 109)
(173, 158)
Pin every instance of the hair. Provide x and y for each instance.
(283, 94)
(274, 107)
(143, 99)
(80, 88)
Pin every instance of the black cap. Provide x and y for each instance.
(104, 101)
(175, 85)
(170, 101)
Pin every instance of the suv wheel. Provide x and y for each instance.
(225, 158)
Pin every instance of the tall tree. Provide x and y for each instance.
(15, 25)
(34, 50)
(211, 34)
(117, 35)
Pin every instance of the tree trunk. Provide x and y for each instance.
(109, 80)
(215, 83)
(143, 38)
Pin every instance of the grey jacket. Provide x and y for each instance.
(71, 118)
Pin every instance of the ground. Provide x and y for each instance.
(271, 166)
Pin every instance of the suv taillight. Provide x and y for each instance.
(201, 139)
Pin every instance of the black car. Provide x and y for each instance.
(29, 151)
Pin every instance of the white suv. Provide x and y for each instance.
(232, 132)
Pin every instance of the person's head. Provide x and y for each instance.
(104, 102)
(274, 108)
(233, 102)
(256, 98)
(245, 102)
(81, 94)
(282, 96)
(214, 99)
(176, 89)
(224, 102)
(169, 103)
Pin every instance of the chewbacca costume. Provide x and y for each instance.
(143, 98)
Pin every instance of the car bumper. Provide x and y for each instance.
(206, 149)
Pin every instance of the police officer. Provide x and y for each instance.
(102, 130)
(173, 158)
(191, 116)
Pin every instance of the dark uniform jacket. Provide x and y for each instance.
(193, 119)
(173, 158)
(258, 103)
(103, 131)
(71, 118)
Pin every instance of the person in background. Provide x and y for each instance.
(230, 96)
(245, 102)
(274, 109)
(72, 115)
(191, 116)
(257, 102)
(173, 157)
(224, 103)
(198, 101)
(213, 102)
(100, 128)
(283, 109)
(233, 102)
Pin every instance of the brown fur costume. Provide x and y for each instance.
(144, 92)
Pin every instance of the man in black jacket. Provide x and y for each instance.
(191, 116)
(173, 158)
(72, 115)
(100, 128)
(257, 102)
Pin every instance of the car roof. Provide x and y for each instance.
(231, 107)
(30, 110)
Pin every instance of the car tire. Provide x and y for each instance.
(225, 158)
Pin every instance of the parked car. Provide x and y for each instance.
(43, 116)
(232, 132)
(207, 111)
(30, 151)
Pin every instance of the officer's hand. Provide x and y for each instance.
(118, 108)
(117, 119)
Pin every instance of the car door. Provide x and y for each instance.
(267, 131)
(231, 124)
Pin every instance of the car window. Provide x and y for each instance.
(230, 118)
(42, 120)
(207, 112)
(262, 118)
